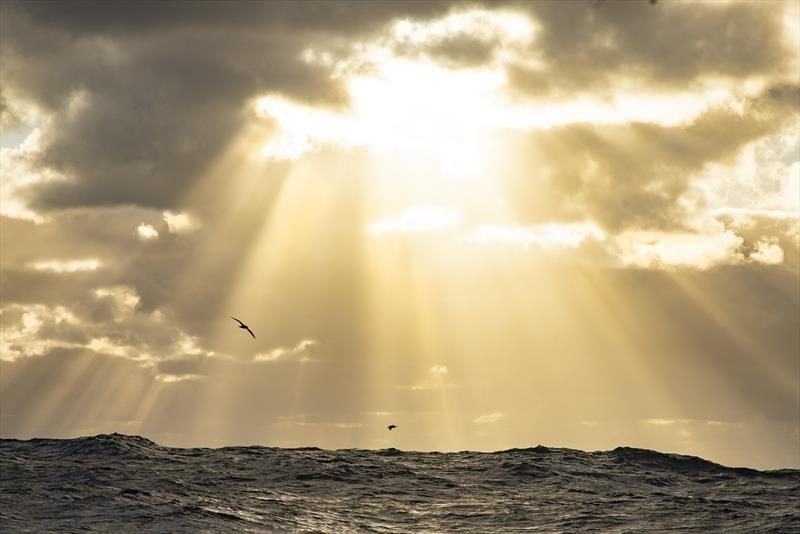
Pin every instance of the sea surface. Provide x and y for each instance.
(118, 483)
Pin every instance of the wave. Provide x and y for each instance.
(129, 483)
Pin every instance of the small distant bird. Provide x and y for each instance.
(242, 325)
(391, 427)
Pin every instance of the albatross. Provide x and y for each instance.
(391, 427)
(242, 325)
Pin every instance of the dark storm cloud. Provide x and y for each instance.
(458, 50)
(670, 45)
(583, 47)
(633, 175)
(9, 117)
(146, 96)
(152, 15)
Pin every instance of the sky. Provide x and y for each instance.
(494, 225)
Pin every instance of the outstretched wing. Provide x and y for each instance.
(251, 332)
(237, 320)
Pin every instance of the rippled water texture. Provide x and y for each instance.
(130, 484)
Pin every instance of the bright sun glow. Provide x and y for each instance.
(407, 106)
(426, 108)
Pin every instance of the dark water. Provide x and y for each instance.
(122, 483)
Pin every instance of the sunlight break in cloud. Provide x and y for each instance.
(416, 220)
(409, 88)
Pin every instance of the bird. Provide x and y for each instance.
(391, 427)
(242, 325)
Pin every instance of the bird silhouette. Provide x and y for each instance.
(391, 427)
(242, 325)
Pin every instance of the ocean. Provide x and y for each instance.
(119, 483)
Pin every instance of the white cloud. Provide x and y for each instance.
(67, 266)
(767, 251)
(146, 232)
(699, 250)
(104, 345)
(180, 222)
(22, 338)
(544, 235)
(347, 425)
(417, 219)
(299, 351)
(764, 177)
(170, 378)
(665, 422)
(17, 172)
(489, 418)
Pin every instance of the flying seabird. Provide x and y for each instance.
(242, 325)
(391, 427)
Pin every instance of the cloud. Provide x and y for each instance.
(666, 422)
(634, 176)
(18, 172)
(157, 147)
(415, 220)
(124, 299)
(544, 235)
(34, 330)
(67, 266)
(299, 352)
(347, 426)
(651, 156)
(489, 418)
(435, 379)
(465, 38)
(673, 250)
(146, 232)
(179, 222)
(685, 44)
(768, 252)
